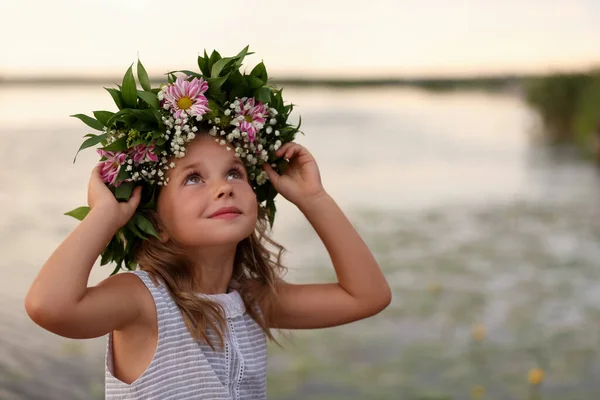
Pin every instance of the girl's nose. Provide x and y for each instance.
(225, 190)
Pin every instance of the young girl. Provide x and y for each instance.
(191, 321)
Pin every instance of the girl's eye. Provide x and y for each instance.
(192, 179)
(235, 174)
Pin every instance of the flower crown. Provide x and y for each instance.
(139, 142)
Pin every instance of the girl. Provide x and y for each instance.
(192, 321)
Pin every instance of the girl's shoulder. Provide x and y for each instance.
(137, 286)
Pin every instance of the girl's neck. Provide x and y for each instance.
(212, 270)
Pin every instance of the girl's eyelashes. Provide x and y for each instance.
(193, 177)
(236, 171)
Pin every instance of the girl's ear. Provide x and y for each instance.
(164, 237)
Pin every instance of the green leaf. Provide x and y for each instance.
(149, 98)
(92, 141)
(271, 209)
(143, 76)
(254, 82)
(146, 115)
(118, 145)
(145, 225)
(116, 95)
(129, 90)
(107, 253)
(131, 226)
(263, 95)
(103, 116)
(123, 191)
(89, 121)
(260, 72)
(218, 66)
(203, 64)
(239, 59)
(214, 57)
(214, 84)
(189, 73)
(79, 213)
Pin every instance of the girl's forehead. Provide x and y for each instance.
(205, 150)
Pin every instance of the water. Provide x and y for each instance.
(471, 219)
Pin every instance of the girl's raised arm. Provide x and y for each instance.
(361, 290)
(59, 299)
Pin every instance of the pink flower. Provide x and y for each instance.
(188, 96)
(251, 117)
(143, 153)
(111, 166)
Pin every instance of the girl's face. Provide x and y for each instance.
(207, 179)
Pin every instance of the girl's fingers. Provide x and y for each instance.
(136, 196)
(271, 173)
(284, 149)
(288, 150)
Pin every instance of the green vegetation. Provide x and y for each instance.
(569, 106)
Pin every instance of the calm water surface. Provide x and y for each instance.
(472, 221)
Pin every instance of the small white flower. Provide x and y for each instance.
(130, 161)
(198, 117)
(227, 112)
(194, 129)
(228, 148)
(172, 165)
(269, 129)
(166, 106)
(178, 121)
(276, 133)
(217, 120)
(129, 168)
(260, 147)
(273, 121)
(223, 142)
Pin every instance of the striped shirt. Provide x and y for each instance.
(183, 368)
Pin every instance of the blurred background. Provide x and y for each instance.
(461, 137)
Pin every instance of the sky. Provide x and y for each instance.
(301, 38)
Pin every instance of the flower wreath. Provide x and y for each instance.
(153, 125)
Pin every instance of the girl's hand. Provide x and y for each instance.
(101, 198)
(301, 181)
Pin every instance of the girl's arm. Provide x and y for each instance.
(59, 299)
(361, 290)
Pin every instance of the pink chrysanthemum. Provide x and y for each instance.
(186, 96)
(111, 166)
(251, 117)
(143, 153)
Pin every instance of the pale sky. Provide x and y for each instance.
(302, 37)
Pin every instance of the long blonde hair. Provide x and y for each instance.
(256, 270)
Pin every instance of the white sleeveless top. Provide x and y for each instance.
(183, 368)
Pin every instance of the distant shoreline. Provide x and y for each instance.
(498, 82)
